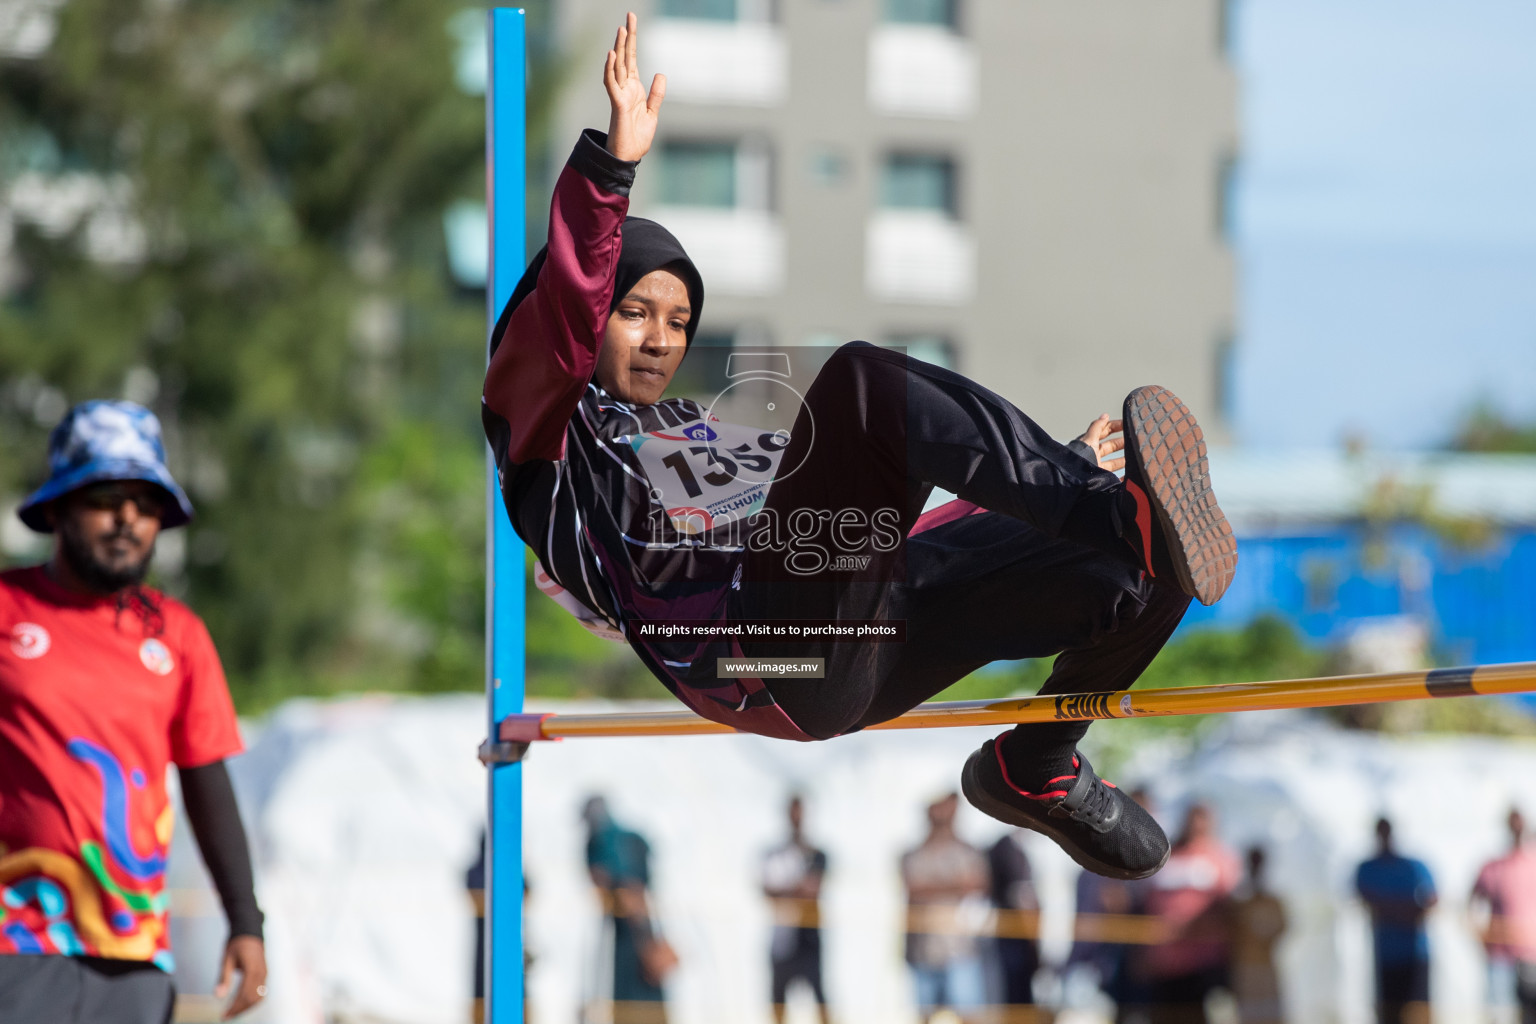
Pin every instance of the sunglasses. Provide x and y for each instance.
(107, 497)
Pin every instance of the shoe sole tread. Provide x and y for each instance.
(1161, 434)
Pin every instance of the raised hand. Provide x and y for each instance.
(632, 113)
(1104, 446)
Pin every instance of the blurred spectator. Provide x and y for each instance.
(1506, 887)
(1105, 942)
(104, 684)
(1109, 936)
(941, 875)
(1018, 924)
(1111, 932)
(474, 882)
(1258, 920)
(620, 863)
(1399, 892)
(792, 876)
(1189, 899)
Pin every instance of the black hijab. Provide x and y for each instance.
(647, 246)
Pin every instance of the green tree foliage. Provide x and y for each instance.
(1486, 430)
(276, 171)
(261, 259)
(1267, 648)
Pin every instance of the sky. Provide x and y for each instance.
(1385, 219)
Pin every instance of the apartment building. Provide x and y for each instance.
(1029, 191)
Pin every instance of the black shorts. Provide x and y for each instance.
(83, 990)
(1399, 984)
(804, 963)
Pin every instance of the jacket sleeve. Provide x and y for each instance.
(1081, 448)
(543, 359)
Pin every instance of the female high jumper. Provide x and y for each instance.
(646, 511)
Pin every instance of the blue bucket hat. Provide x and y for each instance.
(105, 441)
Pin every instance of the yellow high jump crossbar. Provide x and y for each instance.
(1335, 691)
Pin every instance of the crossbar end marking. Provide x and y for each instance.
(522, 728)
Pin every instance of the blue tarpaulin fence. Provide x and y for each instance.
(1477, 601)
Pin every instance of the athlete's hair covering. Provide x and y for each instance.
(646, 246)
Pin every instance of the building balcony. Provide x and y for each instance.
(919, 256)
(738, 251)
(921, 71)
(737, 63)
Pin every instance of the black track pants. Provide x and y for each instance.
(1043, 572)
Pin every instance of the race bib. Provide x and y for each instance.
(709, 473)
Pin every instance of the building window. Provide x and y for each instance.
(930, 348)
(1226, 377)
(465, 226)
(704, 10)
(715, 174)
(914, 181)
(698, 174)
(1226, 199)
(715, 195)
(718, 10)
(1225, 27)
(922, 12)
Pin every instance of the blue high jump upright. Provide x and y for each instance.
(505, 127)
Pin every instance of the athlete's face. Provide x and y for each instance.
(646, 339)
(104, 533)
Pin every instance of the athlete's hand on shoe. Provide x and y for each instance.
(632, 113)
(1098, 437)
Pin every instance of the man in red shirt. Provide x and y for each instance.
(1506, 886)
(1188, 898)
(104, 683)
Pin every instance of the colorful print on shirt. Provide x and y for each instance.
(96, 700)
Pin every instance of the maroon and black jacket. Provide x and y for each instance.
(573, 486)
(566, 451)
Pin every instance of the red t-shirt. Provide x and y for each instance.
(1509, 886)
(1198, 875)
(95, 702)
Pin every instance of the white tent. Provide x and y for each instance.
(365, 813)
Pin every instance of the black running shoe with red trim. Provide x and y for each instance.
(1099, 826)
(1180, 532)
